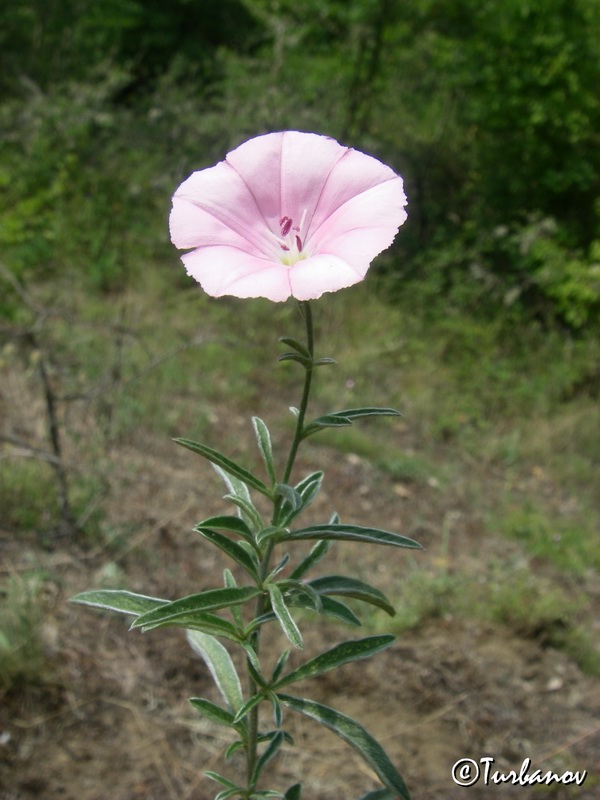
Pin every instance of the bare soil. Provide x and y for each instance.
(112, 721)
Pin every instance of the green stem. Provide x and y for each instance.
(265, 566)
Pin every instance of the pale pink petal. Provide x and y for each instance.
(323, 273)
(286, 172)
(342, 208)
(230, 271)
(363, 226)
(214, 206)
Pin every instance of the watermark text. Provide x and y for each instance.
(468, 772)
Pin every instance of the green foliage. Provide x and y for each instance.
(272, 596)
(23, 661)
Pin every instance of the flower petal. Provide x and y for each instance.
(224, 270)
(363, 226)
(214, 206)
(323, 273)
(286, 172)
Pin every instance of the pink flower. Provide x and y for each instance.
(287, 214)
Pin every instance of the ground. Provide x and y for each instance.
(113, 721)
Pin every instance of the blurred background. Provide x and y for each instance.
(481, 324)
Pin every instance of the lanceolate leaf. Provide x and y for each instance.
(227, 523)
(293, 793)
(307, 489)
(353, 533)
(221, 667)
(232, 549)
(283, 615)
(264, 445)
(341, 418)
(291, 497)
(226, 464)
(329, 608)
(356, 736)
(199, 621)
(269, 753)
(336, 657)
(317, 552)
(212, 711)
(116, 600)
(351, 587)
(326, 421)
(205, 601)
(246, 509)
(296, 345)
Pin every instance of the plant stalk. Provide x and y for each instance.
(265, 567)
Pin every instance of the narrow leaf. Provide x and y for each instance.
(285, 618)
(329, 608)
(356, 736)
(380, 794)
(264, 445)
(225, 522)
(356, 413)
(246, 510)
(232, 549)
(336, 657)
(294, 792)
(289, 494)
(226, 464)
(321, 362)
(212, 711)
(220, 665)
(245, 709)
(317, 552)
(215, 776)
(205, 601)
(326, 421)
(269, 753)
(235, 611)
(199, 621)
(280, 665)
(116, 600)
(305, 361)
(353, 533)
(296, 345)
(351, 587)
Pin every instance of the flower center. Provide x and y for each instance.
(290, 240)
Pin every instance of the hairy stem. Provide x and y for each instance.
(265, 567)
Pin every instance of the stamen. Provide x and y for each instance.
(298, 243)
(286, 225)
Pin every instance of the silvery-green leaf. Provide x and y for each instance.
(235, 611)
(269, 753)
(339, 655)
(356, 736)
(210, 600)
(117, 600)
(245, 709)
(289, 495)
(246, 510)
(230, 548)
(213, 712)
(352, 533)
(296, 345)
(317, 552)
(226, 522)
(226, 464)
(221, 667)
(199, 621)
(263, 438)
(326, 421)
(340, 585)
(282, 613)
(305, 361)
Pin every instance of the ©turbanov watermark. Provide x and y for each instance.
(468, 772)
